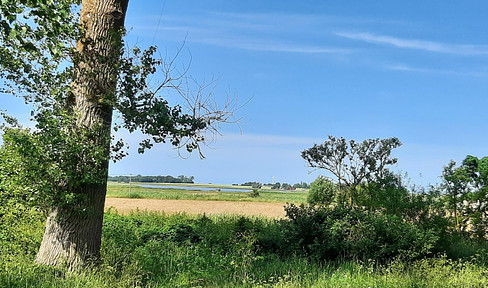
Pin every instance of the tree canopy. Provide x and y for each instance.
(466, 188)
(351, 162)
(68, 60)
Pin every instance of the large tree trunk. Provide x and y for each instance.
(72, 237)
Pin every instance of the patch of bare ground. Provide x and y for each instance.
(125, 205)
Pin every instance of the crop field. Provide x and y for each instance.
(195, 207)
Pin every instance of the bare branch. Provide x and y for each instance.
(145, 107)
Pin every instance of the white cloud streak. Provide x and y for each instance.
(269, 46)
(407, 68)
(430, 46)
(287, 33)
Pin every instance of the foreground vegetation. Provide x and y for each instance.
(157, 250)
(369, 230)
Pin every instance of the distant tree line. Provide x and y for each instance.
(277, 185)
(152, 179)
(252, 184)
(286, 186)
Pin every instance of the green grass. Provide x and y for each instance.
(157, 250)
(122, 190)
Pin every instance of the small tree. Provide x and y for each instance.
(388, 194)
(455, 185)
(276, 186)
(322, 192)
(466, 188)
(351, 162)
(285, 186)
(302, 184)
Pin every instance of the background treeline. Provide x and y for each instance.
(286, 186)
(277, 185)
(152, 179)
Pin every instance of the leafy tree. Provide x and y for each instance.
(455, 184)
(74, 71)
(253, 184)
(301, 185)
(387, 193)
(285, 186)
(351, 162)
(466, 188)
(322, 192)
(276, 186)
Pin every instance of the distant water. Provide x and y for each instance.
(196, 188)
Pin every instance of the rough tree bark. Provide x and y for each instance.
(74, 237)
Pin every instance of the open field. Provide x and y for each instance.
(125, 205)
(124, 190)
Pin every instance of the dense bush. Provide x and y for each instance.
(20, 231)
(349, 233)
(322, 192)
(170, 249)
(387, 193)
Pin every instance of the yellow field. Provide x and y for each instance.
(125, 205)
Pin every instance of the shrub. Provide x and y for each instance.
(135, 196)
(328, 233)
(21, 230)
(387, 193)
(321, 192)
(254, 193)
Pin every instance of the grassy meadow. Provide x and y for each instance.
(134, 190)
(157, 250)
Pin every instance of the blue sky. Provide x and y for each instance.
(416, 70)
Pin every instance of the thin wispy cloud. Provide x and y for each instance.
(282, 33)
(408, 68)
(430, 46)
(269, 46)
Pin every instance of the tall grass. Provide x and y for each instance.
(158, 250)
